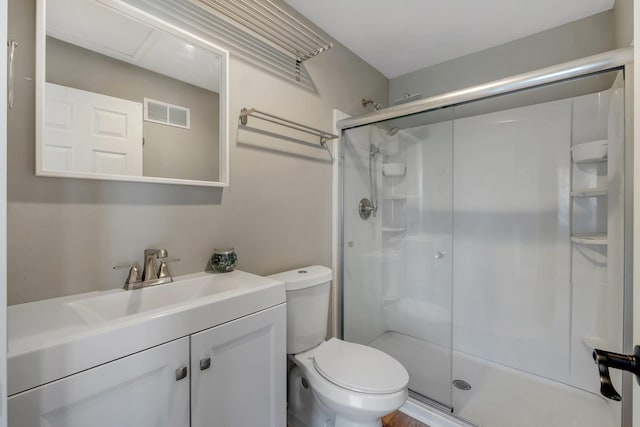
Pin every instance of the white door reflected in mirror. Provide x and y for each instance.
(113, 145)
(122, 95)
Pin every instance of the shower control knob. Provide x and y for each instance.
(350, 243)
(440, 255)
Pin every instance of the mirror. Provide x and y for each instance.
(123, 95)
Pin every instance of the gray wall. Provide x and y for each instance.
(64, 235)
(623, 21)
(169, 152)
(564, 43)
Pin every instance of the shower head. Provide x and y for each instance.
(366, 103)
(393, 131)
(408, 97)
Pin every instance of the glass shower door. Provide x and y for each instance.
(397, 263)
(490, 256)
(538, 234)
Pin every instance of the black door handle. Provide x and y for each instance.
(607, 359)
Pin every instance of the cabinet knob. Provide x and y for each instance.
(205, 364)
(181, 373)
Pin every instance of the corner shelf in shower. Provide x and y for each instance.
(394, 228)
(590, 192)
(589, 238)
(592, 151)
(394, 197)
(394, 169)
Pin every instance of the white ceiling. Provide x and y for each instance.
(397, 37)
(103, 29)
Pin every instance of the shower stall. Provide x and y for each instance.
(483, 246)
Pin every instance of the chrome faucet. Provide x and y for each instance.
(151, 256)
(152, 274)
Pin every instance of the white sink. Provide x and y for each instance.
(121, 303)
(54, 338)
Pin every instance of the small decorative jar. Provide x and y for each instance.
(224, 260)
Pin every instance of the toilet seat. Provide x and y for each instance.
(359, 368)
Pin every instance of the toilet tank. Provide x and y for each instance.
(307, 291)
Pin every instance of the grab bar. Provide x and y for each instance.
(324, 136)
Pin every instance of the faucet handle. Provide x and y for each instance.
(163, 270)
(134, 273)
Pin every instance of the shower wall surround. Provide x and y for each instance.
(512, 238)
(476, 268)
(65, 235)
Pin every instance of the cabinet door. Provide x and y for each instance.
(244, 382)
(140, 390)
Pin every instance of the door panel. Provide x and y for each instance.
(138, 390)
(90, 132)
(239, 372)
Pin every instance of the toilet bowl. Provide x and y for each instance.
(366, 385)
(333, 383)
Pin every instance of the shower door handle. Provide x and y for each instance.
(607, 359)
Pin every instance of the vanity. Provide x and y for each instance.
(207, 349)
(125, 95)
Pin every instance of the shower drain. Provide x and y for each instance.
(461, 384)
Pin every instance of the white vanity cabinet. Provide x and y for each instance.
(137, 390)
(231, 375)
(238, 372)
(206, 350)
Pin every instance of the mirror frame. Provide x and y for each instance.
(41, 40)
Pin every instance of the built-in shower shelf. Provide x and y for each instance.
(394, 169)
(390, 297)
(394, 197)
(394, 228)
(593, 151)
(590, 192)
(590, 238)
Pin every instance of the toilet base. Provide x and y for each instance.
(303, 409)
(306, 410)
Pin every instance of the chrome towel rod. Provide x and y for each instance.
(324, 136)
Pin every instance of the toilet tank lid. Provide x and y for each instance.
(304, 277)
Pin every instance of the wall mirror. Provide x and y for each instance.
(122, 95)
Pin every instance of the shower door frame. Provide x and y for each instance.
(618, 59)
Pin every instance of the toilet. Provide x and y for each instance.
(333, 383)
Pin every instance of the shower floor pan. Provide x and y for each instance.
(499, 396)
